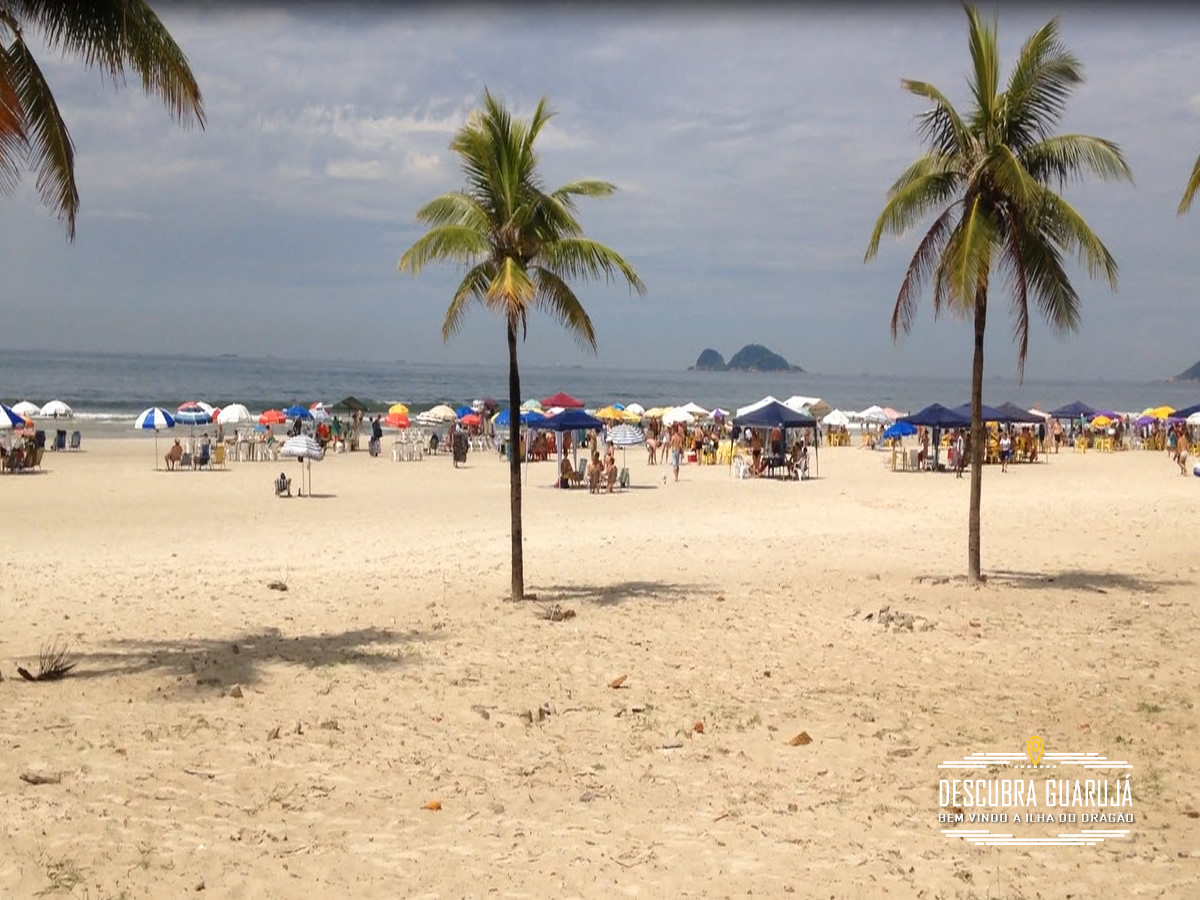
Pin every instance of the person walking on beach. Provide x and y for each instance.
(1183, 448)
(960, 453)
(676, 451)
(1005, 450)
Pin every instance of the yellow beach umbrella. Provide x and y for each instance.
(1162, 412)
(656, 412)
(397, 409)
(612, 414)
(1102, 421)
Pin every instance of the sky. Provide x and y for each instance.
(752, 147)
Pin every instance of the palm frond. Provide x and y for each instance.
(555, 297)
(12, 127)
(444, 243)
(1039, 86)
(927, 184)
(923, 264)
(473, 287)
(50, 150)
(940, 128)
(455, 208)
(588, 260)
(1067, 158)
(1189, 192)
(971, 253)
(985, 64)
(510, 289)
(1061, 224)
(566, 194)
(115, 35)
(1013, 263)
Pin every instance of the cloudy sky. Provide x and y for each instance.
(752, 151)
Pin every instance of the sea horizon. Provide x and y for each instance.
(108, 389)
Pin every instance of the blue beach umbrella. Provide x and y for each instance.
(10, 418)
(899, 430)
(298, 412)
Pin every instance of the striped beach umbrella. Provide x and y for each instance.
(153, 419)
(10, 418)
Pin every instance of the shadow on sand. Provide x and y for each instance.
(1082, 580)
(239, 659)
(619, 592)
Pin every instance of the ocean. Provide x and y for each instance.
(107, 391)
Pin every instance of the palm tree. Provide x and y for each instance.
(990, 178)
(520, 246)
(112, 35)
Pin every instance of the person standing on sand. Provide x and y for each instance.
(960, 453)
(1183, 448)
(676, 450)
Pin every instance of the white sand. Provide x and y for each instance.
(725, 602)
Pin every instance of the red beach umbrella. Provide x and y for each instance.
(272, 417)
(566, 401)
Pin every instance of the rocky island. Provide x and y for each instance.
(751, 358)
(1192, 374)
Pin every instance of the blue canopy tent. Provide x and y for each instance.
(937, 417)
(570, 419)
(776, 415)
(1019, 416)
(1072, 411)
(989, 413)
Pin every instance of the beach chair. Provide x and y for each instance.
(76, 438)
(283, 485)
(185, 461)
(219, 456)
(623, 479)
(204, 457)
(580, 473)
(60, 440)
(740, 468)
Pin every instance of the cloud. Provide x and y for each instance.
(752, 153)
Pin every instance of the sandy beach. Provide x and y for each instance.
(392, 674)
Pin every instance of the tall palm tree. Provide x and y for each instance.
(111, 35)
(520, 246)
(990, 177)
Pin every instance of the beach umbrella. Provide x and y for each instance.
(398, 409)
(1163, 412)
(529, 417)
(654, 412)
(272, 417)
(532, 404)
(298, 412)
(26, 408)
(717, 413)
(626, 436)
(153, 419)
(463, 411)
(1193, 419)
(234, 414)
(56, 409)
(635, 409)
(566, 401)
(837, 419)
(396, 420)
(470, 419)
(676, 416)
(1101, 421)
(304, 448)
(695, 410)
(192, 416)
(441, 413)
(874, 415)
(899, 430)
(10, 418)
(193, 405)
(612, 414)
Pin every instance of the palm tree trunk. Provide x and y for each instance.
(978, 440)
(514, 464)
